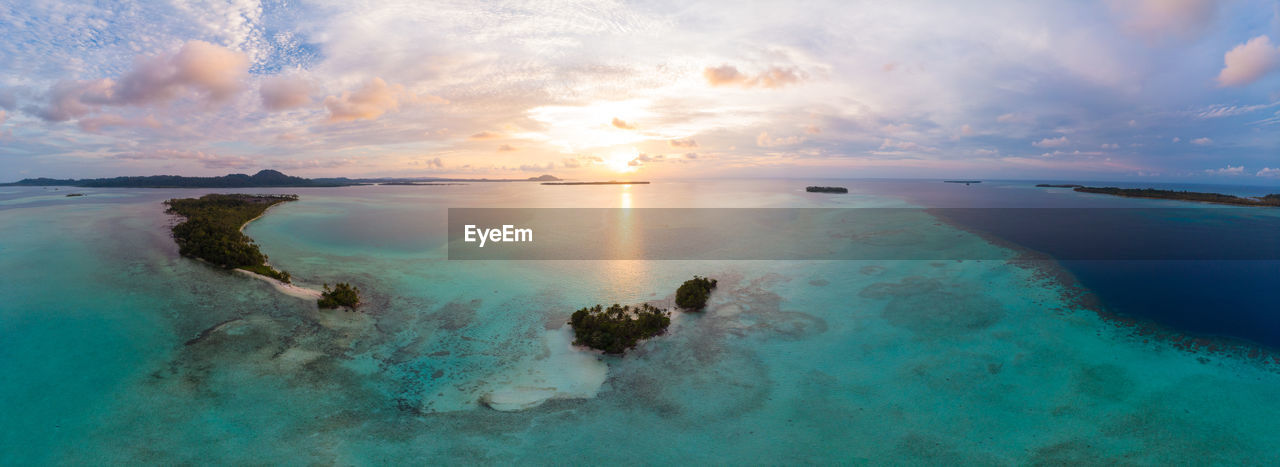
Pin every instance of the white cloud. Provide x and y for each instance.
(1249, 62)
(772, 77)
(1051, 142)
(1110, 146)
(1269, 172)
(1228, 170)
(1202, 141)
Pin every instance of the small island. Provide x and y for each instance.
(611, 182)
(966, 182)
(826, 189)
(341, 295)
(1215, 198)
(1050, 185)
(693, 294)
(617, 328)
(211, 231)
(72, 195)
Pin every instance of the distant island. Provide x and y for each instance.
(611, 182)
(419, 184)
(1050, 185)
(212, 233)
(1216, 198)
(826, 189)
(966, 182)
(262, 179)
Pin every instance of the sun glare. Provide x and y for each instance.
(620, 161)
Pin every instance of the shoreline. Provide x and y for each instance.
(291, 290)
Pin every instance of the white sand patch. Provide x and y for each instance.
(562, 372)
(287, 289)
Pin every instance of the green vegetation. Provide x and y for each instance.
(826, 189)
(342, 294)
(1050, 185)
(211, 231)
(1218, 198)
(693, 294)
(617, 328)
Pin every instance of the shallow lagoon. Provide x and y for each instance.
(818, 361)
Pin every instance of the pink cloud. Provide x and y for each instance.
(622, 124)
(367, 103)
(1248, 62)
(283, 93)
(772, 77)
(198, 68)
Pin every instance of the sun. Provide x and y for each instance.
(620, 161)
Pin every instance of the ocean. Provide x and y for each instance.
(116, 350)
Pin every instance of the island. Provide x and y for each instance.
(1272, 200)
(212, 230)
(1050, 185)
(826, 189)
(263, 179)
(611, 182)
(693, 294)
(72, 195)
(419, 184)
(617, 328)
(341, 295)
(966, 182)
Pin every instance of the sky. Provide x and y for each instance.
(1177, 90)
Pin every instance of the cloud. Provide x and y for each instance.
(966, 130)
(1157, 19)
(434, 162)
(1269, 172)
(1176, 139)
(507, 148)
(283, 93)
(765, 141)
(1222, 110)
(198, 66)
(1110, 146)
(619, 123)
(1051, 142)
(691, 155)
(484, 135)
(1015, 118)
(905, 146)
(3, 116)
(1202, 141)
(772, 77)
(208, 160)
(683, 143)
(986, 152)
(369, 102)
(1228, 170)
(209, 71)
(537, 168)
(1248, 62)
(570, 163)
(94, 124)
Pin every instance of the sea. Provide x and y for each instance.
(1000, 347)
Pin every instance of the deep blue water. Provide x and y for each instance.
(1225, 292)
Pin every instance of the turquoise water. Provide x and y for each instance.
(973, 362)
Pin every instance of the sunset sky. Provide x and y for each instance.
(1174, 89)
